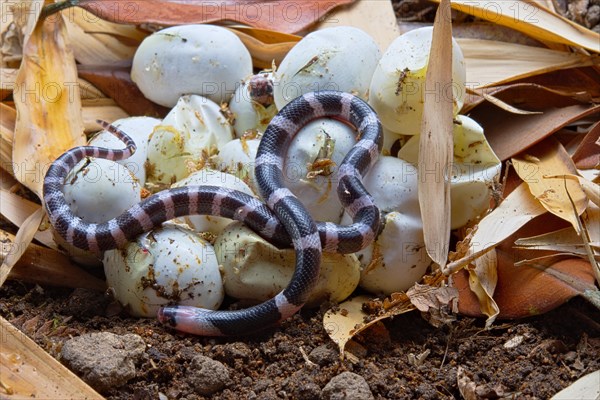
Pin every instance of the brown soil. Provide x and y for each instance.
(556, 349)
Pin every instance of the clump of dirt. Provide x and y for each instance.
(533, 358)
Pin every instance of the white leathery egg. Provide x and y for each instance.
(472, 174)
(311, 165)
(256, 270)
(397, 91)
(252, 105)
(139, 129)
(237, 157)
(170, 265)
(192, 131)
(190, 59)
(396, 259)
(98, 189)
(339, 58)
(211, 177)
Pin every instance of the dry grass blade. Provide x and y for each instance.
(491, 62)
(436, 142)
(528, 17)
(47, 101)
(507, 107)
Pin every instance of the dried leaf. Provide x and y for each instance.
(436, 142)
(349, 318)
(47, 101)
(518, 208)
(7, 77)
(17, 209)
(506, 132)
(549, 158)
(91, 114)
(283, 15)
(438, 303)
(24, 238)
(529, 289)
(8, 118)
(266, 46)
(507, 107)
(46, 266)
(587, 154)
(482, 281)
(96, 41)
(492, 63)
(115, 81)
(528, 17)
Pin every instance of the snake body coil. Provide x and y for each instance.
(281, 219)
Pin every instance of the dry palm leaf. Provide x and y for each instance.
(537, 164)
(490, 62)
(587, 154)
(283, 15)
(436, 142)
(47, 267)
(17, 209)
(96, 41)
(8, 119)
(528, 17)
(47, 101)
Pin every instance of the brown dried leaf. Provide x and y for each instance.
(266, 46)
(587, 154)
(115, 82)
(436, 142)
(482, 281)
(283, 15)
(438, 303)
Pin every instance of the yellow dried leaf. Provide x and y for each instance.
(436, 142)
(518, 208)
(533, 20)
(537, 165)
(24, 238)
(482, 281)
(17, 209)
(48, 103)
(348, 319)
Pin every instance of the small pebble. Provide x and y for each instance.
(324, 355)
(104, 360)
(207, 376)
(592, 17)
(347, 386)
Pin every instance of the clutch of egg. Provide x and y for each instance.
(199, 144)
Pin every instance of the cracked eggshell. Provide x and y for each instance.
(321, 145)
(237, 157)
(170, 265)
(397, 87)
(253, 109)
(190, 59)
(192, 131)
(207, 176)
(340, 58)
(256, 270)
(139, 129)
(473, 173)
